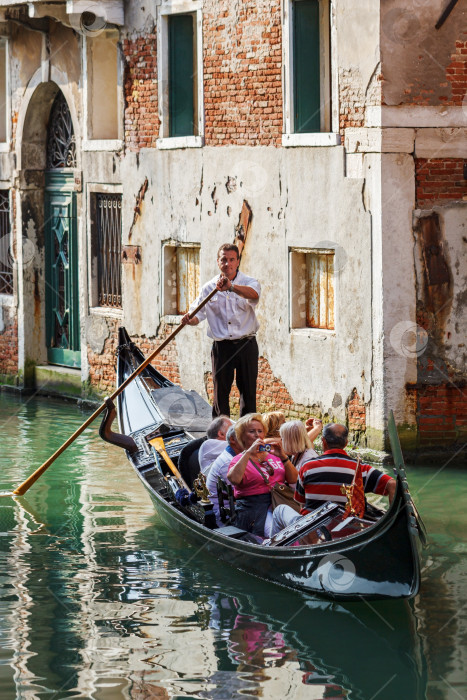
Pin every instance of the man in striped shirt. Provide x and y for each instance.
(320, 479)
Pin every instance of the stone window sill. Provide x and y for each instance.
(321, 139)
(4, 147)
(7, 299)
(107, 312)
(313, 332)
(180, 142)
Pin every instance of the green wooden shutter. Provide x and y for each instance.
(306, 70)
(181, 76)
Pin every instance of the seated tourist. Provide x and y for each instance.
(272, 422)
(296, 443)
(254, 472)
(220, 467)
(216, 442)
(321, 478)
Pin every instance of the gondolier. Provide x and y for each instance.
(232, 326)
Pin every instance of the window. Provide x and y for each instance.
(6, 261)
(107, 248)
(307, 85)
(4, 109)
(103, 89)
(181, 278)
(312, 288)
(181, 76)
(180, 71)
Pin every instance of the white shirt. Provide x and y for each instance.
(219, 468)
(309, 454)
(229, 316)
(208, 452)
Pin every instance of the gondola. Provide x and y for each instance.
(326, 554)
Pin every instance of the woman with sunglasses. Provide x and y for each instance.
(253, 473)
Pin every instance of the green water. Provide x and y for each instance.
(99, 600)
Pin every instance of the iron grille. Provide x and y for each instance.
(6, 260)
(109, 235)
(61, 145)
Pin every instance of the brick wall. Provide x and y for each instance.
(140, 92)
(439, 180)
(356, 413)
(102, 367)
(354, 97)
(242, 72)
(9, 343)
(456, 73)
(442, 414)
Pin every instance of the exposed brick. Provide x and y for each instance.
(439, 180)
(9, 344)
(243, 96)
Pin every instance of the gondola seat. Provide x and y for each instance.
(188, 463)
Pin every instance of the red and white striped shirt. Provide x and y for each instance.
(320, 479)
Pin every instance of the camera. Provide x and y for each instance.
(264, 448)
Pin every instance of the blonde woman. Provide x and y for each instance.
(296, 443)
(272, 422)
(254, 472)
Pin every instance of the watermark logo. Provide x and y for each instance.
(250, 177)
(340, 254)
(177, 408)
(92, 21)
(401, 25)
(7, 257)
(336, 573)
(408, 339)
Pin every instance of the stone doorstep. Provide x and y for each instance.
(54, 380)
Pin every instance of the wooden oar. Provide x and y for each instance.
(22, 488)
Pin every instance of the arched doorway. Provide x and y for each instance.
(61, 240)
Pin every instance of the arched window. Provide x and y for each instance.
(61, 146)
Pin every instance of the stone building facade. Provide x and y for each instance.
(137, 137)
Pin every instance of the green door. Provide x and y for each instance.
(61, 271)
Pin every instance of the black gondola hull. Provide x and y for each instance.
(379, 562)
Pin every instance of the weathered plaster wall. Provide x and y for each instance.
(357, 28)
(416, 57)
(292, 196)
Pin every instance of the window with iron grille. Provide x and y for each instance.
(312, 288)
(107, 241)
(181, 278)
(6, 260)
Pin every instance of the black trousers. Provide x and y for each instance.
(229, 356)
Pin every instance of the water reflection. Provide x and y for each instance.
(97, 600)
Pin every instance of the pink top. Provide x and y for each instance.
(253, 483)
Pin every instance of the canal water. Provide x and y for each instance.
(98, 599)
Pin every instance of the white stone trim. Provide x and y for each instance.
(441, 143)
(165, 144)
(5, 146)
(111, 145)
(317, 333)
(7, 300)
(416, 116)
(312, 139)
(376, 140)
(106, 312)
(163, 12)
(61, 79)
